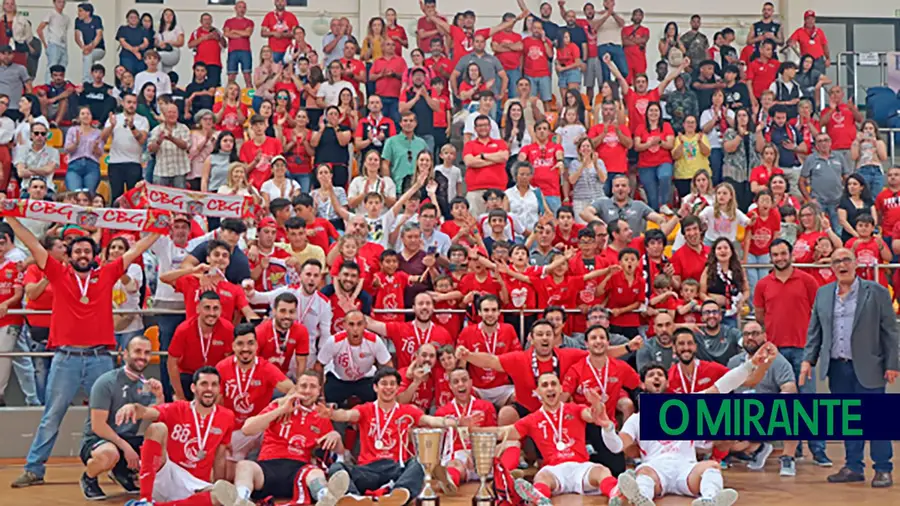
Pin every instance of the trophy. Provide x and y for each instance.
(428, 451)
(484, 445)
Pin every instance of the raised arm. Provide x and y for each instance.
(478, 359)
(31, 242)
(139, 248)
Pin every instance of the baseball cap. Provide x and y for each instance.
(267, 222)
(809, 14)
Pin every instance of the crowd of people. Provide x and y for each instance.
(447, 236)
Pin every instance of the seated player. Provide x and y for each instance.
(671, 467)
(291, 431)
(349, 360)
(108, 446)
(184, 442)
(386, 466)
(247, 384)
(419, 379)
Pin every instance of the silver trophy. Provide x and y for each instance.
(428, 443)
(484, 446)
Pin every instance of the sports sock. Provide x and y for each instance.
(646, 485)
(151, 454)
(607, 484)
(510, 458)
(719, 455)
(200, 499)
(544, 489)
(454, 475)
(316, 487)
(710, 483)
(243, 492)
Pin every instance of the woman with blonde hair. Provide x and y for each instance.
(265, 75)
(813, 225)
(723, 217)
(869, 152)
(231, 113)
(237, 183)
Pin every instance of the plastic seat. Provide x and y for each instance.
(56, 138)
(104, 190)
(152, 334)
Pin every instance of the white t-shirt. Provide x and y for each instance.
(351, 363)
(332, 92)
(567, 136)
(122, 299)
(170, 37)
(385, 187)
(681, 451)
(274, 192)
(454, 177)
(380, 228)
(168, 257)
(715, 140)
(55, 31)
(722, 226)
(158, 78)
(524, 210)
(124, 147)
(470, 126)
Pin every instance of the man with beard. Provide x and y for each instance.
(314, 308)
(541, 358)
(81, 331)
(248, 385)
(350, 359)
(599, 372)
(658, 350)
(418, 385)
(386, 466)
(283, 336)
(201, 341)
(106, 446)
(292, 433)
(671, 466)
(490, 336)
(716, 342)
(410, 336)
(183, 443)
(622, 207)
(346, 294)
(690, 374)
(689, 261)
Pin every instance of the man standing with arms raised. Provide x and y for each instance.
(81, 331)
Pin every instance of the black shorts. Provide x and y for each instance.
(521, 410)
(90, 443)
(339, 391)
(278, 477)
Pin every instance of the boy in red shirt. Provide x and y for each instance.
(566, 228)
(446, 298)
(624, 292)
(687, 308)
(388, 284)
(442, 116)
(870, 249)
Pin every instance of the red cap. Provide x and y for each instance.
(180, 217)
(809, 14)
(267, 222)
(75, 232)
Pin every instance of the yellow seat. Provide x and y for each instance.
(55, 139)
(104, 190)
(740, 234)
(104, 165)
(247, 96)
(220, 94)
(152, 335)
(108, 144)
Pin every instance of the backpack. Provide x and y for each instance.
(504, 488)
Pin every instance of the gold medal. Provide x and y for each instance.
(84, 300)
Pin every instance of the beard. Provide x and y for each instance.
(751, 348)
(80, 267)
(685, 359)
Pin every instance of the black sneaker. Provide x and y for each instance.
(125, 480)
(90, 487)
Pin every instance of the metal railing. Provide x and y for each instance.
(853, 60)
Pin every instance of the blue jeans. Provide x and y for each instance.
(128, 60)
(541, 87)
(370, 84)
(167, 324)
(795, 357)
(304, 180)
(657, 182)
(554, 203)
(831, 209)
(569, 76)
(716, 157)
(24, 369)
(754, 275)
(842, 380)
(239, 58)
(873, 176)
(514, 75)
(172, 182)
(56, 55)
(391, 108)
(278, 57)
(83, 174)
(68, 374)
(618, 57)
(41, 372)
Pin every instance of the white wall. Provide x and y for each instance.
(738, 15)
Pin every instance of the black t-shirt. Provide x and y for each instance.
(329, 150)
(760, 28)
(704, 97)
(238, 269)
(578, 37)
(98, 100)
(178, 97)
(200, 102)
(133, 35)
(737, 96)
(551, 29)
(424, 115)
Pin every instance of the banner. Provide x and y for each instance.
(191, 202)
(135, 220)
(893, 71)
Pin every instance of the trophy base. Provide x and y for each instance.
(428, 501)
(483, 501)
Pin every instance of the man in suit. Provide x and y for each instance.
(854, 330)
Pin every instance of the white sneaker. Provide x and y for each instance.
(336, 488)
(628, 486)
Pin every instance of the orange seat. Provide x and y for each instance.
(55, 138)
(152, 334)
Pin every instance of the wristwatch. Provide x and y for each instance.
(482, 156)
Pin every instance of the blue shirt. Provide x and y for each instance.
(844, 311)
(89, 29)
(133, 35)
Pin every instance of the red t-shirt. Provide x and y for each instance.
(262, 170)
(74, 323)
(805, 247)
(888, 205)
(275, 274)
(762, 74)
(655, 155)
(636, 56)
(587, 296)
(760, 174)
(295, 439)
(390, 295)
(521, 294)
(209, 51)
(10, 280)
(570, 239)
(567, 54)
(705, 375)
(440, 116)
(788, 306)
(451, 322)
(563, 293)
(689, 264)
(544, 159)
(524, 379)
(452, 409)
(183, 446)
(610, 379)
(841, 127)
(389, 86)
(248, 395)
(491, 176)
(352, 68)
(466, 86)
(610, 150)
(231, 296)
(397, 33)
(503, 340)
(187, 346)
(320, 232)
(463, 41)
(510, 60)
(867, 257)
(591, 36)
(637, 103)
(283, 22)
(407, 339)
(392, 428)
(763, 232)
(811, 43)
(230, 120)
(281, 350)
(441, 65)
(536, 58)
(423, 397)
(621, 294)
(542, 428)
(471, 284)
(240, 43)
(425, 24)
(33, 274)
(690, 316)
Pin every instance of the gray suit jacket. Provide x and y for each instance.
(874, 340)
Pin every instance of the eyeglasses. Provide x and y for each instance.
(752, 333)
(39, 134)
(835, 262)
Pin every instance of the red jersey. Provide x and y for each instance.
(238, 24)
(452, 409)
(440, 116)
(867, 257)
(10, 281)
(522, 294)
(491, 176)
(426, 25)
(510, 60)
(591, 36)
(464, 41)
(536, 58)
(246, 393)
(544, 159)
(763, 231)
(390, 428)
(407, 339)
(587, 296)
(888, 205)
(567, 54)
(398, 34)
(261, 170)
(762, 74)
(551, 292)
(636, 56)
(610, 150)
(690, 316)
(338, 313)
(760, 175)
(451, 322)
(811, 42)
(620, 293)
(192, 441)
(320, 232)
(390, 295)
(805, 247)
(76, 323)
(546, 429)
(706, 374)
(525, 377)
(281, 349)
(841, 126)
(424, 394)
(231, 296)
(44, 302)
(442, 67)
(502, 341)
(280, 22)
(352, 68)
(471, 284)
(466, 86)
(570, 239)
(389, 86)
(609, 379)
(294, 439)
(209, 51)
(657, 155)
(195, 352)
(689, 264)
(637, 103)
